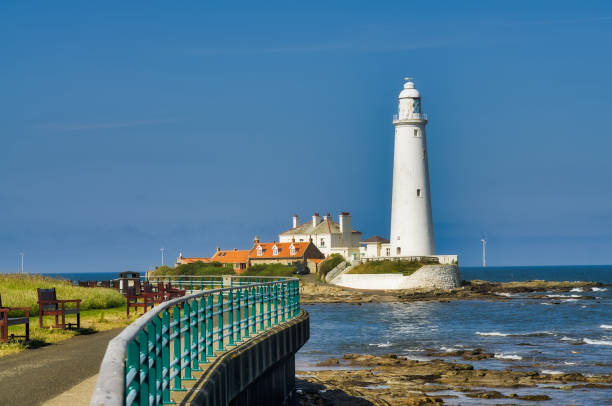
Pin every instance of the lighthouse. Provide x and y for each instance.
(411, 219)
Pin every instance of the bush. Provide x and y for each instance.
(270, 270)
(19, 290)
(378, 267)
(330, 263)
(196, 268)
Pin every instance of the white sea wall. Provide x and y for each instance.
(426, 277)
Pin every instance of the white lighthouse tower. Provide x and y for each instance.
(411, 221)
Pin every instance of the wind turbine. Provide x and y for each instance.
(162, 249)
(21, 254)
(483, 240)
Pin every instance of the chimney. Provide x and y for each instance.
(296, 221)
(327, 217)
(256, 240)
(345, 226)
(218, 249)
(316, 219)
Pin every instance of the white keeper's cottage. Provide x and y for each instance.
(327, 235)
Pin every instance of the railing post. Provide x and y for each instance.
(176, 359)
(132, 371)
(209, 325)
(220, 319)
(151, 361)
(186, 354)
(202, 329)
(275, 295)
(143, 342)
(283, 296)
(238, 309)
(165, 343)
(247, 317)
(157, 379)
(230, 316)
(269, 300)
(194, 325)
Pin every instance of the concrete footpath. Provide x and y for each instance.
(35, 376)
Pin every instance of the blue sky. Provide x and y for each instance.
(128, 127)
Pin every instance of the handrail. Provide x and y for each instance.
(165, 345)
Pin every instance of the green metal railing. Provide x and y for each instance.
(160, 350)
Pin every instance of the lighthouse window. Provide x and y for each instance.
(419, 193)
(399, 250)
(416, 132)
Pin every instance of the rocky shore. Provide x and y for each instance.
(313, 291)
(393, 380)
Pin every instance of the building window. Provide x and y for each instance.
(275, 250)
(416, 132)
(419, 193)
(292, 250)
(259, 251)
(322, 243)
(388, 251)
(301, 240)
(398, 250)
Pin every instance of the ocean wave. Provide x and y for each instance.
(599, 289)
(546, 303)
(381, 345)
(562, 296)
(569, 300)
(531, 334)
(565, 338)
(505, 294)
(577, 290)
(597, 342)
(569, 363)
(551, 372)
(606, 326)
(508, 356)
(493, 333)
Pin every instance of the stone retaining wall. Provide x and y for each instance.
(426, 277)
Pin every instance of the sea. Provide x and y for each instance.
(557, 333)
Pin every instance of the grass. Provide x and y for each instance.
(101, 309)
(92, 321)
(19, 290)
(379, 267)
(196, 268)
(330, 263)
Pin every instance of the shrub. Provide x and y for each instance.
(270, 270)
(196, 268)
(19, 290)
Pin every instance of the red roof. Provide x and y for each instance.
(231, 257)
(284, 250)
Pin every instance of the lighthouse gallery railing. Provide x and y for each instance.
(155, 354)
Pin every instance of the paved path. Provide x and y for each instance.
(35, 376)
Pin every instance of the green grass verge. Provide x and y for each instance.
(379, 267)
(330, 263)
(19, 290)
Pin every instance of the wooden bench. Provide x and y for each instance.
(49, 305)
(172, 293)
(6, 321)
(133, 300)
